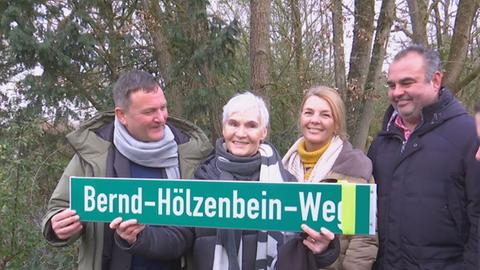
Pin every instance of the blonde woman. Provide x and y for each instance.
(323, 153)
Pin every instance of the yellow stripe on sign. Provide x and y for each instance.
(348, 207)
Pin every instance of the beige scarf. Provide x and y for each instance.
(293, 163)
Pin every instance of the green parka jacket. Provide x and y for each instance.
(91, 159)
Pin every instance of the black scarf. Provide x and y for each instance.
(226, 166)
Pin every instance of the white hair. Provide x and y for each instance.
(245, 102)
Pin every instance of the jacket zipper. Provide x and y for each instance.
(404, 143)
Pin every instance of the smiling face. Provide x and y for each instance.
(317, 123)
(146, 115)
(243, 133)
(409, 90)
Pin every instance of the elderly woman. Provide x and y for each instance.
(241, 154)
(322, 154)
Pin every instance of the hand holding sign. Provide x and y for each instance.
(317, 242)
(127, 230)
(66, 223)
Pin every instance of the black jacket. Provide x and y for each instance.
(114, 257)
(428, 190)
(291, 255)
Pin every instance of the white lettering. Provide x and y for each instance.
(308, 206)
(187, 208)
(339, 207)
(111, 202)
(123, 199)
(264, 205)
(239, 206)
(328, 212)
(102, 202)
(223, 205)
(233, 206)
(196, 211)
(137, 202)
(210, 207)
(162, 201)
(252, 208)
(275, 205)
(89, 199)
(178, 205)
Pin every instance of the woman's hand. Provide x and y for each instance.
(317, 242)
(127, 230)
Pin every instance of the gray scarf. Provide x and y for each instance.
(160, 154)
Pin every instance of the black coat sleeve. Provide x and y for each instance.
(160, 242)
(330, 255)
(294, 255)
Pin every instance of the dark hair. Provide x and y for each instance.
(130, 82)
(430, 57)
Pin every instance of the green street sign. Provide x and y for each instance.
(340, 207)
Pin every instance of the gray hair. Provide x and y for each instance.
(430, 57)
(131, 82)
(243, 102)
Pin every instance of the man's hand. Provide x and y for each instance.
(127, 230)
(66, 223)
(317, 242)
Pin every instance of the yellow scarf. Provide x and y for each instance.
(309, 159)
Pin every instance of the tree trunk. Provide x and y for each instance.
(446, 16)
(215, 109)
(155, 21)
(460, 40)
(259, 46)
(475, 73)
(338, 45)
(374, 78)
(438, 26)
(418, 17)
(297, 46)
(359, 60)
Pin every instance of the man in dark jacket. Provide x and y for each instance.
(138, 141)
(428, 179)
